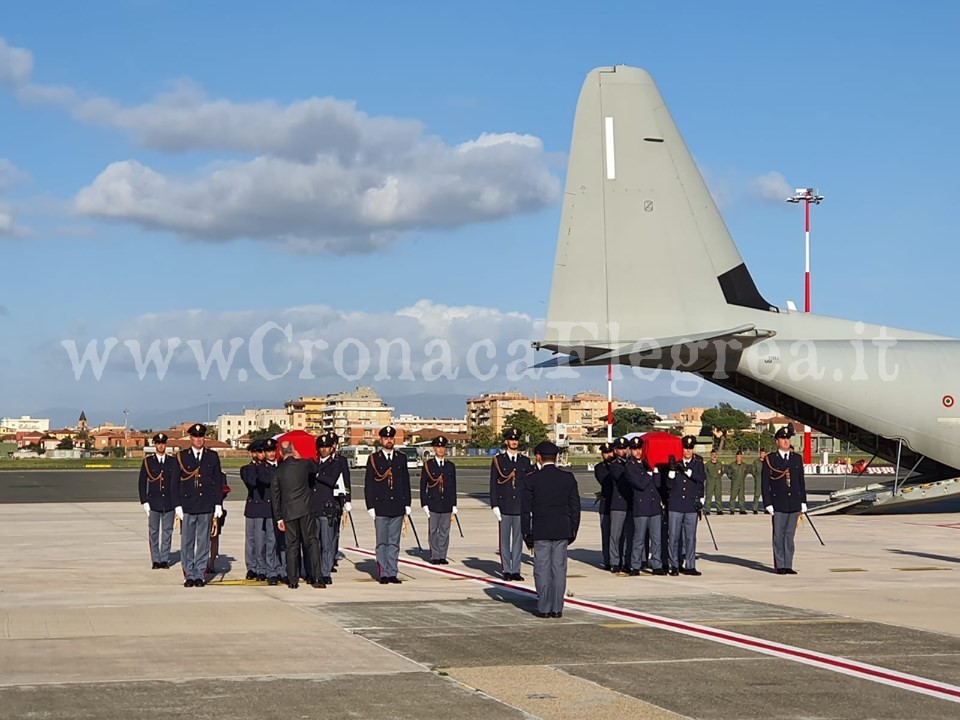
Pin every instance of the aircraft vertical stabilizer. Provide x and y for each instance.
(639, 229)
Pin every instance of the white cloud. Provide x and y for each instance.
(16, 65)
(771, 187)
(6, 221)
(10, 175)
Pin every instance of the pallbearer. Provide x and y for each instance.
(324, 505)
(157, 479)
(258, 515)
(438, 497)
(685, 482)
(601, 471)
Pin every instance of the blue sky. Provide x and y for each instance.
(853, 97)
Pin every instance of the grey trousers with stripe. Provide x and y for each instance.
(511, 544)
(160, 527)
(439, 528)
(784, 530)
(550, 574)
(685, 525)
(195, 544)
(388, 544)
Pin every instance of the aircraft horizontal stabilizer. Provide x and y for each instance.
(706, 346)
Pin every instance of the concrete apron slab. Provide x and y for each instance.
(860, 670)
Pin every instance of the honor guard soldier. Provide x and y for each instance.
(644, 482)
(621, 516)
(199, 503)
(507, 472)
(276, 543)
(258, 515)
(714, 485)
(438, 497)
(326, 508)
(342, 494)
(737, 472)
(549, 520)
(601, 471)
(685, 481)
(386, 491)
(784, 497)
(158, 478)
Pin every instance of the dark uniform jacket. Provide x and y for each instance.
(291, 488)
(259, 503)
(438, 486)
(686, 492)
(620, 495)
(781, 482)
(645, 486)
(157, 481)
(265, 475)
(550, 505)
(386, 486)
(601, 471)
(343, 467)
(322, 483)
(200, 485)
(506, 481)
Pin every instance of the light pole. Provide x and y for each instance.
(806, 196)
(610, 403)
(125, 413)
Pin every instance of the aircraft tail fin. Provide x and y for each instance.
(642, 250)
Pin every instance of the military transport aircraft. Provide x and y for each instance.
(638, 223)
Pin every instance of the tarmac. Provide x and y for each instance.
(867, 629)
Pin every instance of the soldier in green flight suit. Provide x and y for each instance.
(714, 485)
(755, 467)
(737, 472)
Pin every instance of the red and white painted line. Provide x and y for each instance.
(833, 663)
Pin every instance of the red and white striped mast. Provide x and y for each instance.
(807, 196)
(610, 403)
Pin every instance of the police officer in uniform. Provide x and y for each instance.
(784, 497)
(507, 472)
(341, 493)
(685, 481)
(644, 483)
(621, 514)
(258, 515)
(276, 546)
(601, 471)
(714, 484)
(438, 497)
(737, 472)
(199, 502)
(549, 520)
(326, 508)
(386, 490)
(158, 476)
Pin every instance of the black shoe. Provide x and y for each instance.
(155, 566)
(394, 580)
(690, 571)
(200, 582)
(164, 566)
(790, 571)
(251, 575)
(606, 567)
(633, 573)
(780, 571)
(443, 562)
(674, 571)
(743, 512)
(518, 577)
(539, 614)
(383, 581)
(615, 569)
(659, 571)
(754, 512)
(319, 584)
(556, 614)
(333, 569)
(273, 581)
(284, 579)
(262, 578)
(293, 586)
(188, 583)
(434, 562)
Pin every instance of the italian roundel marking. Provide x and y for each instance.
(948, 401)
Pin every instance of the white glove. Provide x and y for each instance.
(496, 511)
(769, 509)
(372, 513)
(178, 511)
(217, 511)
(454, 509)
(803, 507)
(146, 508)
(347, 506)
(407, 510)
(688, 472)
(426, 510)
(671, 474)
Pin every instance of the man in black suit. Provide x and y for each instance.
(387, 495)
(549, 520)
(438, 497)
(291, 504)
(157, 479)
(784, 497)
(199, 502)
